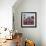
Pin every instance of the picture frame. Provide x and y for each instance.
(29, 19)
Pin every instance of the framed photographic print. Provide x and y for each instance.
(28, 19)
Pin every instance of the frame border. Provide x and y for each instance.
(35, 20)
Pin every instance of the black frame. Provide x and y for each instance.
(35, 20)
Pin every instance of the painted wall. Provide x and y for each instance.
(6, 13)
(35, 34)
(43, 22)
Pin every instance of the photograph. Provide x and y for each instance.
(28, 19)
(22, 22)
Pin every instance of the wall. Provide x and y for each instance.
(29, 6)
(6, 16)
(43, 22)
(6, 13)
